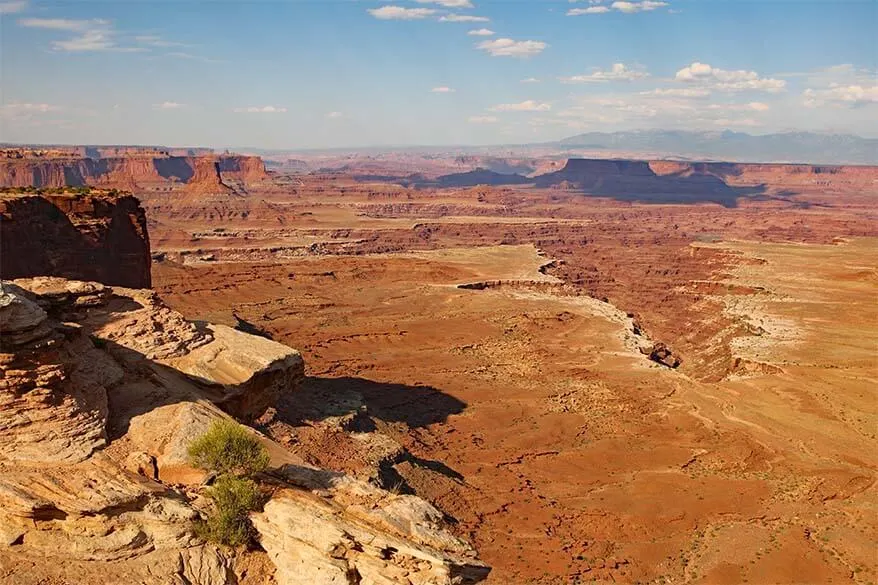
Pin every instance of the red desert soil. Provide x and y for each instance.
(532, 418)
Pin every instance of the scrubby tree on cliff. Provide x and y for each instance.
(233, 453)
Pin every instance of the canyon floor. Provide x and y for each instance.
(527, 411)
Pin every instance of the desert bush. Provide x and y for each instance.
(226, 448)
(233, 500)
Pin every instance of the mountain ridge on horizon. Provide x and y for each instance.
(792, 147)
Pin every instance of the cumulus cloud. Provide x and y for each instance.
(510, 48)
(13, 7)
(169, 106)
(842, 95)
(400, 13)
(442, 89)
(840, 86)
(480, 32)
(723, 80)
(482, 119)
(448, 3)
(631, 7)
(530, 80)
(624, 7)
(618, 72)
(589, 10)
(261, 110)
(525, 106)
(463, 18)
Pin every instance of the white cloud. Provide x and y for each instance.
(261, 110)
(13, 7)
(759, 106)
(442, 89)
(334, 115)
(624, 7)
(618, 72)
(631, 7)
(448, 3)
(842, 95)
(530, 80)
(480, 32)
(840, 86)
(400, 13)
(93, 35)
(589, 10)
(721, 79)
(525, 106)
(169, 106)
(482, 119)
(463, 18)
(686, 92)
(510, 48)
(62, 23)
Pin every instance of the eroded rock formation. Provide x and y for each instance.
(156, 170)
(99, 236)
(102, 389)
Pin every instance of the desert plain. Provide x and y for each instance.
(487, 347)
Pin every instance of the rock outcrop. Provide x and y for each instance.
(101, 391)
(359, 534)
(99, 236)
(140, 170)
(696, 181)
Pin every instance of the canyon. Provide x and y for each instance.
(133, 168)
(596, 371)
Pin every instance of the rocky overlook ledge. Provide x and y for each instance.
(103, 389)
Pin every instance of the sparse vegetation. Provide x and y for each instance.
(234, 454)
(233, 499)
(227, 448)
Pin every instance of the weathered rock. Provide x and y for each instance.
(248, 372)
(22, 321)
(98, 236)
(661, 354)
(77, 507)
(346, 531)
(53, 396)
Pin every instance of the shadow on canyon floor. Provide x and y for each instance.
(416, 406)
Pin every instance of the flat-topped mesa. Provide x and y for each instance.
(96, 236)
(136, 170)
(593, 173)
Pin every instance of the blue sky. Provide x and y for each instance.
(328, 73)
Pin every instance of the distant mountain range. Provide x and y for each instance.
(799, 147)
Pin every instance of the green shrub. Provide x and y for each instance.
(233, 500)
(227, 447)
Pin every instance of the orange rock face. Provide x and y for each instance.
(217, 173)
(96, 237)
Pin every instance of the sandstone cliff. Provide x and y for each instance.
(97, 236)
(212, 173)
(102, 389)
(606, 176)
